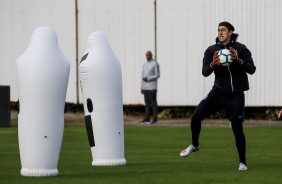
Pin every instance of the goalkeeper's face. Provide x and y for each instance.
(224, 34)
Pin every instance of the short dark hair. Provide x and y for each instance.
(227, 24)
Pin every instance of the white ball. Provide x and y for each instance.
(224, 57)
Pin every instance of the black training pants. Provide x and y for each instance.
(233, 103)
(150, 97)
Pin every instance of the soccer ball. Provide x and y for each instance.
(224, 57)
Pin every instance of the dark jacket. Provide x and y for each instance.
(234, 77)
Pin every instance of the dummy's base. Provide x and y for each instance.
(39, 172)
(108, 162)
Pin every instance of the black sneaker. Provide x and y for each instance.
(144, 121)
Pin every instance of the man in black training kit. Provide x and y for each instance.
(228, 89)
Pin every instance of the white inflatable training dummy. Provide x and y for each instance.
(42, 76)
(101, 86)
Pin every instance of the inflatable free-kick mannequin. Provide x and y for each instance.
(101, 86)
(42, 77)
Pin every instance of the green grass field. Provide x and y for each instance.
(152, 155)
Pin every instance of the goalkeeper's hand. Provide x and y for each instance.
(234, 55)
(215, 63)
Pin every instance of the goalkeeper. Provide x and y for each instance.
(228, 89)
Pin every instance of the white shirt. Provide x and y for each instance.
(150, 70)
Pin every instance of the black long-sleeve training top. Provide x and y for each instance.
(234, 77)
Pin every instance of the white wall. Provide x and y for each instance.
(185, 28)
(182, 38)
(18, 20)
(129, 27)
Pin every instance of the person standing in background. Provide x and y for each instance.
(149, 84)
